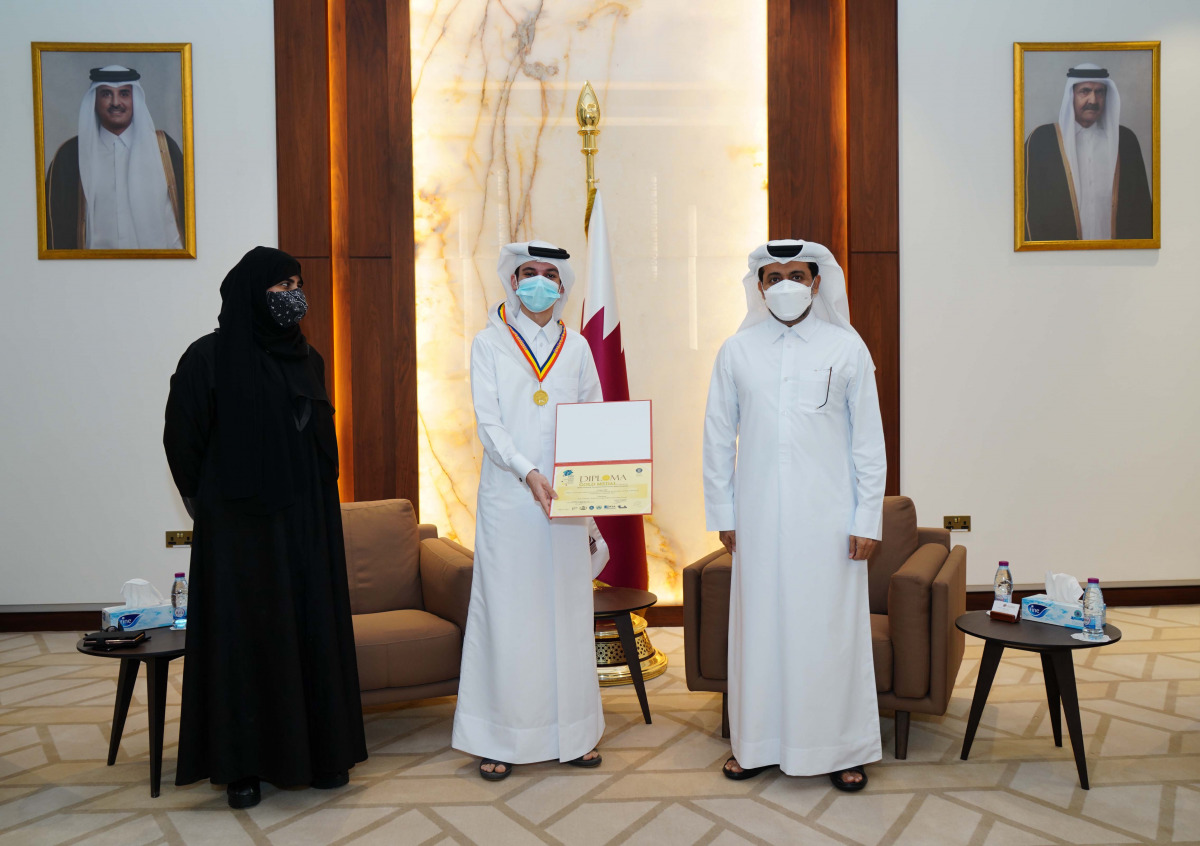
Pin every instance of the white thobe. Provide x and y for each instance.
(111, 222)
(1095, 182)
(794, 461)
(528, 689)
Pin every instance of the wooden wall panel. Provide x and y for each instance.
(368, 129)
(301, 121)
(875, 307)
(806, 156)
(404, 314)
(373, 355)
(318, 323)
(872, 100)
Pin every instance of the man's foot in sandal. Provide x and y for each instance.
(494, 770)
(591, 759)
(733, 770)
(851, 779)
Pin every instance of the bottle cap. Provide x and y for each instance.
(1003, 563)
(179, 575)
(1093, 581)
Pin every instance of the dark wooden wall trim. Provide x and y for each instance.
(344, 125)
(833, 158)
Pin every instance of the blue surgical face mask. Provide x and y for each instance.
(537, 293)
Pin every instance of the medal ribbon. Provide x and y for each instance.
(539, 370)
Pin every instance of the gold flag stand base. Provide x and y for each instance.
(610, 657)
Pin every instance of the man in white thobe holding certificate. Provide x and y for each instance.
(794, 472)
(528, 689)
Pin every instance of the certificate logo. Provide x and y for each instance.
(639, 470)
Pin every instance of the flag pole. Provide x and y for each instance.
(587, 114)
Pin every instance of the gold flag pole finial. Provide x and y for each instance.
(587, 113)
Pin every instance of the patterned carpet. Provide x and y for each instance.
(659, 784)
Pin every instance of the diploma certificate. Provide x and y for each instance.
(601, 490)
(602, 460)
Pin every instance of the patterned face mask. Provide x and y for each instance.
(287, 307)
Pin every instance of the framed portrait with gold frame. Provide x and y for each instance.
(1086, 145)
(113, 142)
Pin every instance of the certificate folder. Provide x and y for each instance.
(603, 459)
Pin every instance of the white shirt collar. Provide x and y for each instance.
(805, 329)
(528, 328)
(110, 140)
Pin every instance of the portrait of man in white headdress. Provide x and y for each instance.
(1086, 173)
(118, 182)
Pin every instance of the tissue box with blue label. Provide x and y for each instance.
(135, 619)
(1043, 609)
(144, 608)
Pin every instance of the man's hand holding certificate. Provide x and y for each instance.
(602, 460)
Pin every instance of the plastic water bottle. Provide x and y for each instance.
(1003, 583)
(1093, 611)
(179, 592)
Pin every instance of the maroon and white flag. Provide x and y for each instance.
(601, 326)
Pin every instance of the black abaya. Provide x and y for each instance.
(270, 677)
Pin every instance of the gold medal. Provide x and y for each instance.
(541, 397)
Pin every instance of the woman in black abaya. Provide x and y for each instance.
(270, 683)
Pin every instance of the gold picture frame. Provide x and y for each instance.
(1044, 186)
(63, 72)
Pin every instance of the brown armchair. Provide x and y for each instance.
(409, 591)
(917, 586)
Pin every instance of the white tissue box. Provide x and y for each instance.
(135, 619)
(1043, 609)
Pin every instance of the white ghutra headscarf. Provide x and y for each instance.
(512, 256)
(153, 215)
(1109, 125)
(830, 303)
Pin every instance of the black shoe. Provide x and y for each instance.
(328, 781)
(244, 793)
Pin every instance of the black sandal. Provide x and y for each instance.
(849, 786)
(744, 774)
(493, 775)
(586, 763)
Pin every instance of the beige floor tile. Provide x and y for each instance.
(194, 796)
(974, 773)
(11, 642)
(75, 742)
(1126, 738)
(641, 736)
(865, 817)
(49, 801)
(670, 785)
(1142, 770)
(17, 739)
(49, 716)
(210, 828)
(1126, 666)
(940, 823)
(1135, 714)
(1056, 782)
(408, 829)
(797, 795)
(1132, 808)
(691, 752)
(1188, 614)
(1147, 694)
(279, 806)
(484, 824)
(384, 730)
(21, 761)
(1054, 823)
(1188, 706)
(429, 791)
(324, 826)
(1171, 667)
(59, 829)
(23, 694)
(728, 838)
(450, 762)
(1002, 834)
(103, 691)
(597, 823)
(673, 826)
(136, 832)
(27, 675)
(1186, 825)
(433, 738)
(761, 821)
(547, 796)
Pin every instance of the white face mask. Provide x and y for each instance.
(788, 299)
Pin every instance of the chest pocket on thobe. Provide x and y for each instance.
(810, 391)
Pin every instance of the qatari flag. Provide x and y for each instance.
(626, 537)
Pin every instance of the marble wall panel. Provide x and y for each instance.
(682, 166)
